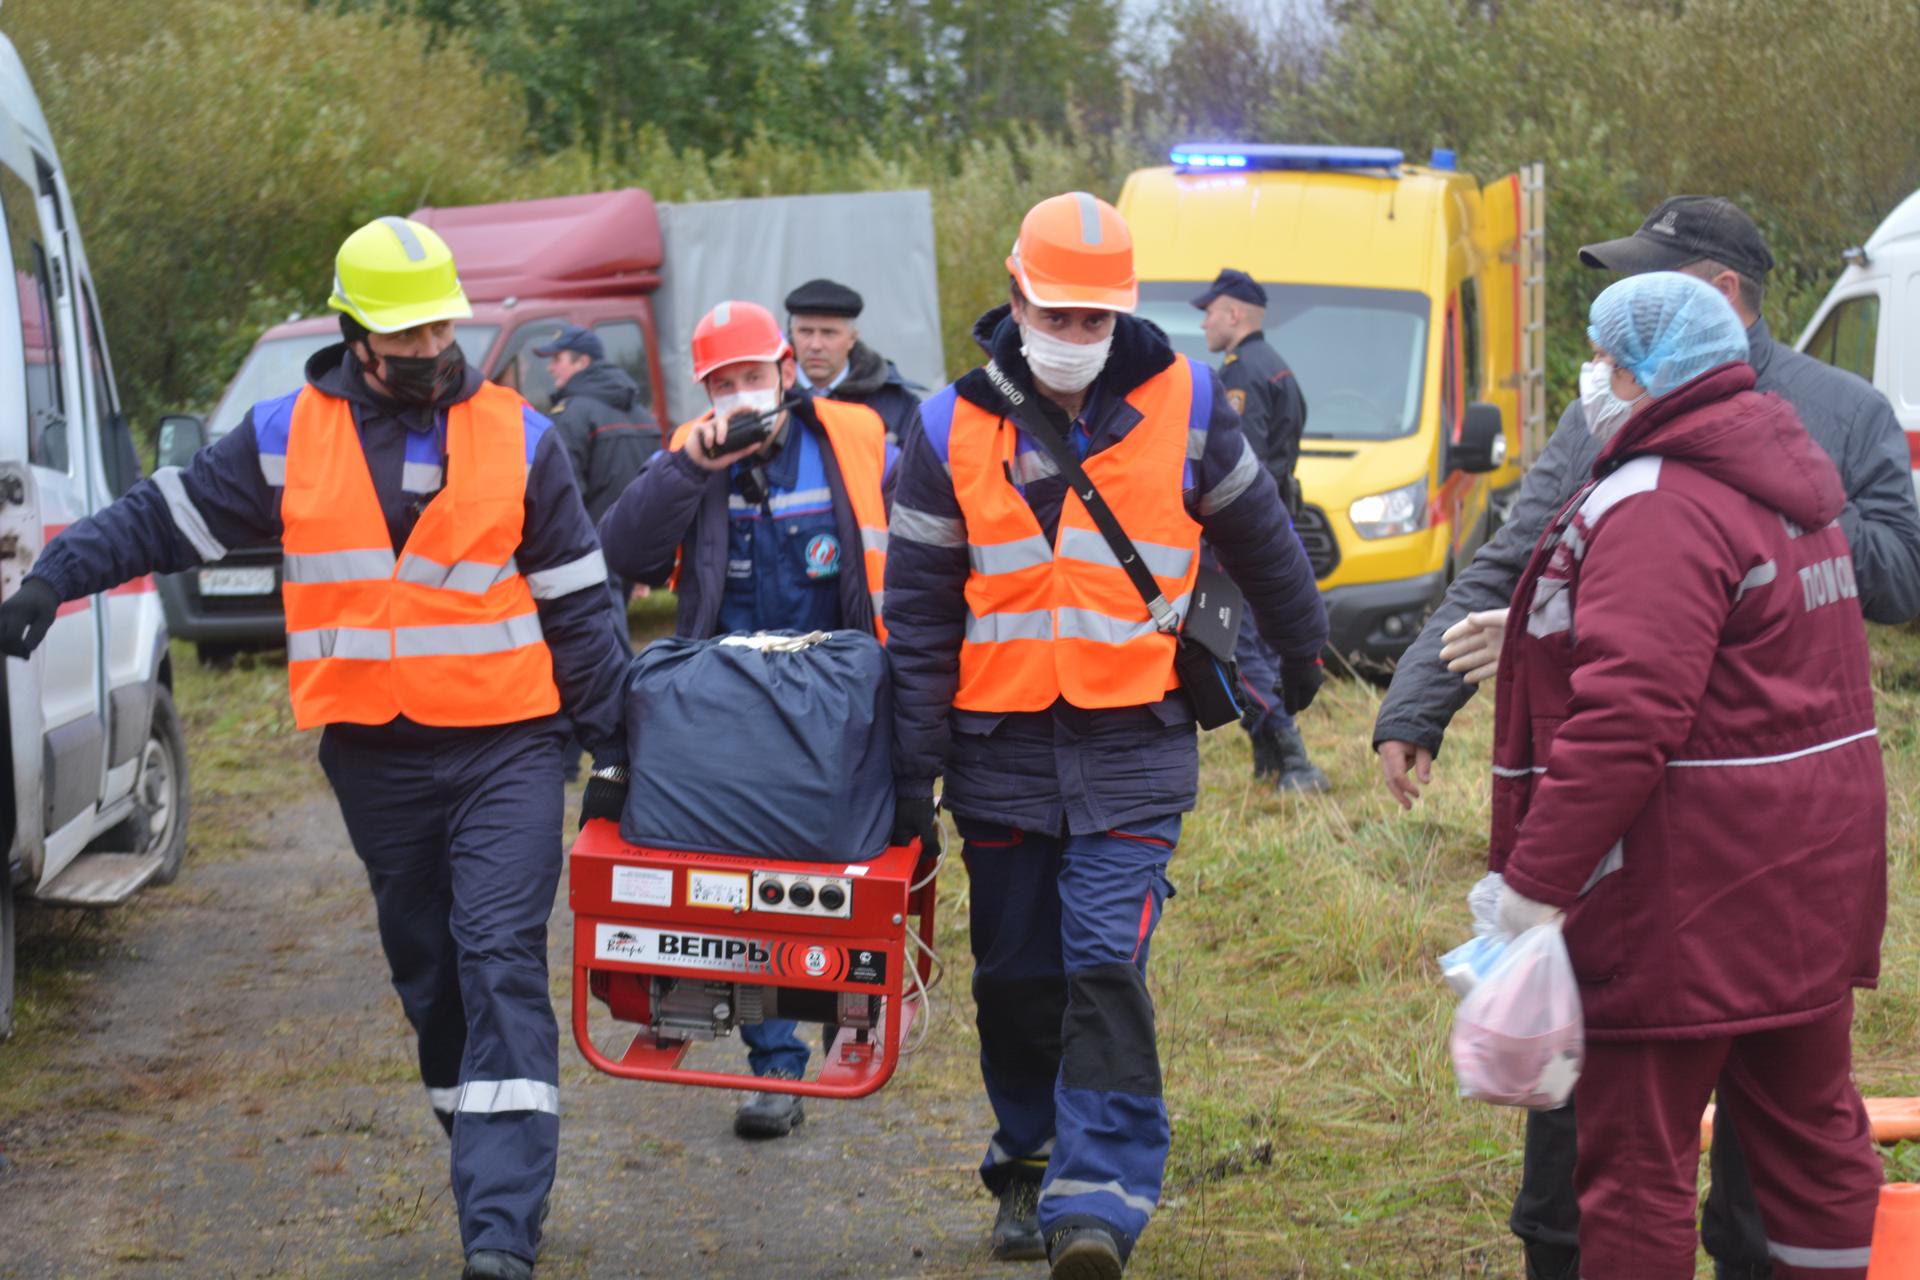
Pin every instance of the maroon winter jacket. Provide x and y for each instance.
(1684, 747)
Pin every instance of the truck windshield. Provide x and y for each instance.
(1359, 353)
(279, 365)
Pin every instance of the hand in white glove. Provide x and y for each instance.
(1518, 913)
(1471, 646)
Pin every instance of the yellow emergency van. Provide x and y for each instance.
(1408, 301)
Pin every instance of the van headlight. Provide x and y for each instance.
(1391, 514)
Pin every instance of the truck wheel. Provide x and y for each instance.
(160, 790)
(6, 952)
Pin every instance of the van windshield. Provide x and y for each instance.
(279, 365)
(1359, 353)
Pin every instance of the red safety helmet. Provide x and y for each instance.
(1075, 251)
(736, 332)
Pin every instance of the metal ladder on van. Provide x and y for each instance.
(1533, 311)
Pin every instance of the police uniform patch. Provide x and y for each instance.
(823, 556)
(1237, 397)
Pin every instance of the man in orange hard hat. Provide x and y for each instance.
(784, 530)
(1034, 672)
(446, 604)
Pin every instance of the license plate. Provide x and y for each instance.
(236, 582)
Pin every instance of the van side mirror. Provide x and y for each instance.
(1483, 440)
(181, 436)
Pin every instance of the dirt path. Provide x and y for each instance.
(237, 1098)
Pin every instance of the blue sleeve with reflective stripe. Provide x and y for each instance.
(558, 540)
(936, 420)
(178, 518)
(537, 427)
(273, 423)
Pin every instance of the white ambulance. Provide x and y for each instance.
(96, 805)
(1869, 322)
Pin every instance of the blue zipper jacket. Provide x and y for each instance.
(228, 496)
(1069, 770)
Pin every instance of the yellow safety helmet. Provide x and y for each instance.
(395, 273)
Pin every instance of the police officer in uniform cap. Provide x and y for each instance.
(1273, 413)
(833, 362)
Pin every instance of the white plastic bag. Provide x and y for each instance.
(1467, 964)
(1518, 1038)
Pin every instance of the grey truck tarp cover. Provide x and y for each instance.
(878, 243)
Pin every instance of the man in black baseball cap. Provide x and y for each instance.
(833, 362)
(1713, 239)
(1684, 234)
(1273, 413)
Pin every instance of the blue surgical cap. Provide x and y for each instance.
(1666, 329)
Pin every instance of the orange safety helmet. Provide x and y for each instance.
(736, 333)
(1075, 251)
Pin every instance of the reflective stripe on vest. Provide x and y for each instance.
(1062, 619)
(859, 442)
(446, 633)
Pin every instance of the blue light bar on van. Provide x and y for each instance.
(1201, 156)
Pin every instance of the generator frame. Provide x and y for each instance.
(643, 914)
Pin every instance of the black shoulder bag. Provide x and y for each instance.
(1204, 638)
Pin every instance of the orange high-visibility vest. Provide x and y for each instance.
(444, 634)
(859, 442)
(1062, 620)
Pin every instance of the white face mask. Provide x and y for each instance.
(1605, 412)
(759, 400)
(1061, 365)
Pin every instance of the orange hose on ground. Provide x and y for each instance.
(1892, 1119)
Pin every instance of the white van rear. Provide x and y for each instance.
(1869, 322)
(97, 805)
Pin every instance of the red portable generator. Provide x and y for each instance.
(689, 946)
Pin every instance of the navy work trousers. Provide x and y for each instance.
(1061, 928)
(460, 831)
(774, 1048)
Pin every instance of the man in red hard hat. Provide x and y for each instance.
(787, 532)
(1032, 674)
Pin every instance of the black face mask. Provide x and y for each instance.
(425, 381)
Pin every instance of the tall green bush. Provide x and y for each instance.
(218, 157)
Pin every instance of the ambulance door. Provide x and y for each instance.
(59, 449)
(20, 525)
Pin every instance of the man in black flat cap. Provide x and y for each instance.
(1273, 413)
(1712, 239)
(835, 363)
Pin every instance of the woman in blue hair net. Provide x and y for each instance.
(1687, 775)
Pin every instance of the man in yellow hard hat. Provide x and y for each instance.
(446, 615)
(1036, 670)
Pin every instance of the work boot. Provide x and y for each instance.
(1085, 1253)
(1552, 1261)
(1298, 774)
(1016, 1228)
(492, 1264)
(769, 1115)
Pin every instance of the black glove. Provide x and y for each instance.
(606, 794)
(917, 815)
(26, 617)
(1299, 682)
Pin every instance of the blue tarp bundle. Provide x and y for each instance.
(766, 746)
